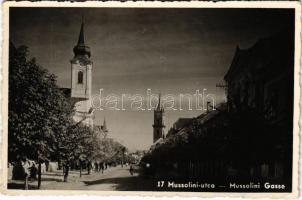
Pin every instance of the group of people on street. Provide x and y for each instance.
(28, 169)
(100, 166)
(25, 170)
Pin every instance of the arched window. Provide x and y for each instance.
(80, 77)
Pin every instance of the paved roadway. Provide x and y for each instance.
(113, 179)
(118, 179)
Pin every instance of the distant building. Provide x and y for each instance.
(156, 144)
(103, 130)
(178, 125)
(181, 122)
(159, 123)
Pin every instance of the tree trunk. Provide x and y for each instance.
(60, 165)
(66, 172)
(39, 175)
(89, 167)
(26, 182)
(80, 169)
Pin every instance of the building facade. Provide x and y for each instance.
(260, 83)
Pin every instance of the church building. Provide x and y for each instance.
(159, 122)
(102, 130)
(81, 81)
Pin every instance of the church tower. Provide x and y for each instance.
(81, 81)
(105, 127)
(81, 66)
(159, 123)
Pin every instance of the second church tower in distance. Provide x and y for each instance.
(159, 122)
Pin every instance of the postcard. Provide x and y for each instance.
(151, 98)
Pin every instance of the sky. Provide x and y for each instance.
(170, 51)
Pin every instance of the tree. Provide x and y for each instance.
(78, 142)
(40, 122)
(38, 110)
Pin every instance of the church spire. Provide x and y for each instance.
(81, 49)
(159, 107)
(81, 40)
(159, 123)
(104, 125)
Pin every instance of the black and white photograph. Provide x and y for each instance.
(152, 99)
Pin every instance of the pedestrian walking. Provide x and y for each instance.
(89, 166)
(26, 166)
(96, 167)
(131, 170)
(33, 171)
(102, 167)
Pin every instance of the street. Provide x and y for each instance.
(113, 179)
(118, 179)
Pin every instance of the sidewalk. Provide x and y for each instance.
(54, 180)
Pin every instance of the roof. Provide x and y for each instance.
(66, 92)
(181, 122)
(267, 53)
